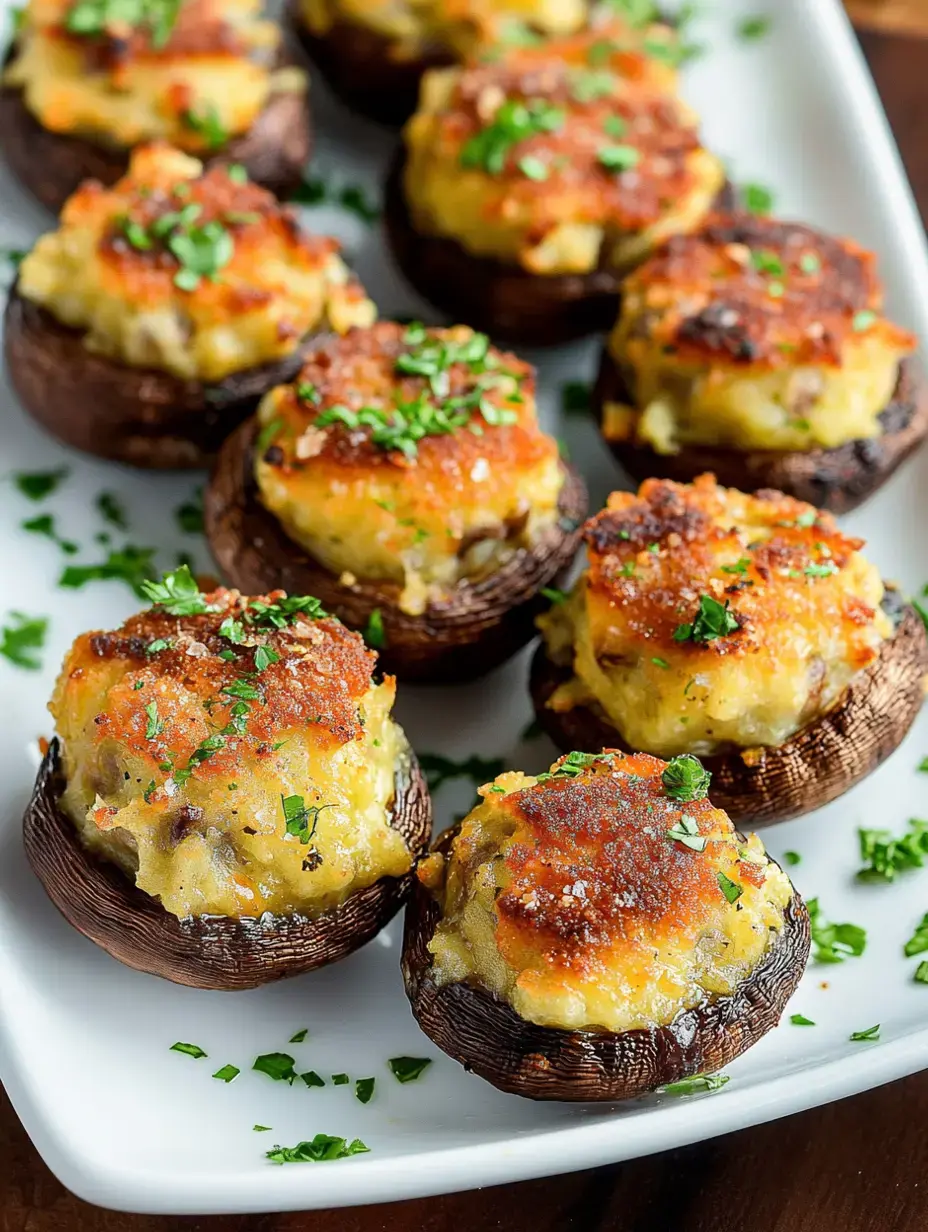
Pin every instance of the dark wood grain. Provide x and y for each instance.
(856, 1166)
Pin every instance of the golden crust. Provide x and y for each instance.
(776, 563)
(578, 184)
(760, 293)
(321, 673)
(359, 370)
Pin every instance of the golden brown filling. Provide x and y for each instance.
(199, 273)
(560, 158)
(194, 72)
(709, 619)
(754, 334)
(595, 896)
(409, 455)
(234, 756)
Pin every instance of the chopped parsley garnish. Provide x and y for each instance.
(587, 86)
(739, 567)
(767, 262)
(364, 1089)
(554, 595)
(921, 973)
(189, 515)
(340, 1080)
(408, 1069)
(515, 121)
(205, 122)
(44, 524)
(309, 192)
(884, 855)
(20, 637)
(264, 657)
(374, 633)
(14, 257)
(757, 199)
(792, 858)
(300, 819)
(576, 397)
(918, 942)
(618, 157)
(800, 1020)
(684, 778)
(228, 1073)
(826, 569)
(261, 1129)
(354, 199)
(36, 485)
(863, 320)
(833, 943)
(686, 832)
(177, 594)
(700, 1082)
(93, 17)
(155, 725)
(713, 620)
(277, 1065)
(810, 263)
(189, 1050)
(661, 663)
(573, 765)
(312, 1079)
(439, 770)
(534, 168)
(871, 1033)
(752, 28)
(638, 13)
(200, 251)
(111, 510)
(322, 1148)
(130, 564)
(729, 888)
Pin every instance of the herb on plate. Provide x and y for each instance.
(44, 524)
(364, 1090)
(918, 942)
(833, 943)
(684, 778)
(21, 637)
(700, 1082)
(800, 1020)
(884, 854)
(439, 770)
(277, 1065)
(228, 1073)
(189, 1050)
(408, 1069)
(299, 1036)
(36, 485)
(871, 1033)
(189, 515)
(322, 1148)
(112, 510)
(130, 564)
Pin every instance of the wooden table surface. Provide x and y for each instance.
(856, 1166)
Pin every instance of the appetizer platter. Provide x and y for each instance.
(391, 692)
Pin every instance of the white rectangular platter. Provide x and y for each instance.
(84, 1042)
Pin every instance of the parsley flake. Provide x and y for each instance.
(20, 637)
(36, 485)
(320, 1149)
(871, 1033)
(364, 1090)
(699, 1082)
(729, 888)
(408, 1069)
(277, 1065)
(833, 943)
(800, 1020)
(714, 620)
(684, 778)
(189, 1050)
(228, 1073)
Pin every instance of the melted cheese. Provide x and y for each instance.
(414, 27)
(459, 509)
(279, 285)
(803, 632)
(218, 60)
(218, 843)
(568, 899)
(572, 213)
(754, 334)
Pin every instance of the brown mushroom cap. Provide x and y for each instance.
(51, 165)
(215, 952)
(487, 1036)
(361, 67)
(821, 762)
(475, 628)
(837, 479)
(503, 300)
(142, 416)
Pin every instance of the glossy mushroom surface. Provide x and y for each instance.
(758, 350)
(250, 108)
(746, 630)
(284, 813)
(561, 954)
(118, 346)
(472, 524)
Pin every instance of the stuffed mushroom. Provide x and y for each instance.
(758, 349)
(599, 931)
(228, 799)
(85, 82)
(531, 185)
(153, 320)
(404, 479)
(747, 630)
(374, 52)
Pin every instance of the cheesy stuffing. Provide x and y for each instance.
(415, 28)
(111, 270)
(567, 896)
(754, 334)
(193, 72)
(709, 620)
(560, 158)
(411, 456)
(232, 768)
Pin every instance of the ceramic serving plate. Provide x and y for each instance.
(85, 1043)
